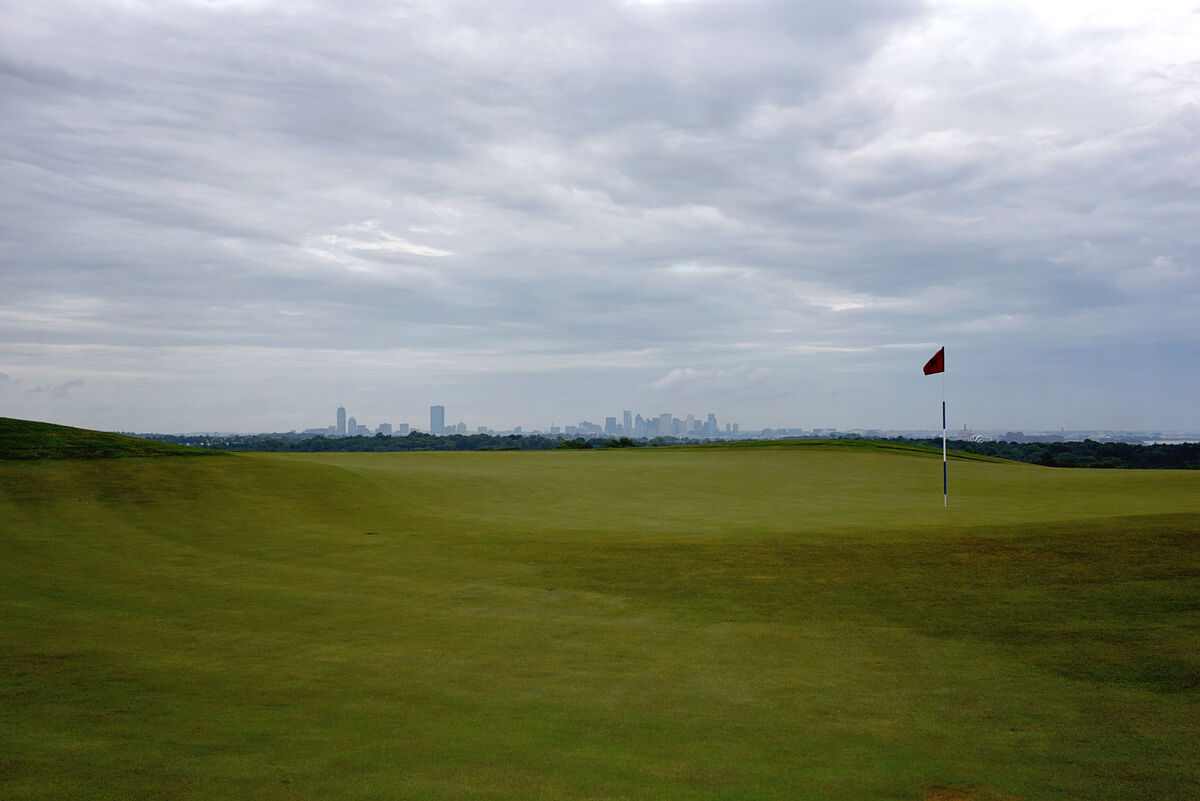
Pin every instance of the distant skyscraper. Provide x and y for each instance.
(341, 421)
(610, 425)
(664, 424)
(628, 429)
(437, 420)
(352, 427)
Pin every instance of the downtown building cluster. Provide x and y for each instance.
(350, 427)
(663, 425)
(628, 425)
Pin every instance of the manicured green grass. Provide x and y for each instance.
(799, 621)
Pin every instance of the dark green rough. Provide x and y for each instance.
(26, 439)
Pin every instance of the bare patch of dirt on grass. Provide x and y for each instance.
(963, 792)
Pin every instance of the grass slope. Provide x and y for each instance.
(25, 439)
(801, 621)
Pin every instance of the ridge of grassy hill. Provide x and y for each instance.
(27, 439)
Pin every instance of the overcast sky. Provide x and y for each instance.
(238, 215)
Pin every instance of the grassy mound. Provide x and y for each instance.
(707, 623)
(25, 439)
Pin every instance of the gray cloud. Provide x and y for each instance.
(56, 391)
(239, 214)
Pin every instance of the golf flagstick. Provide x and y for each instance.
(938, 365)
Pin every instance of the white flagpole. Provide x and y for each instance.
(945, 484)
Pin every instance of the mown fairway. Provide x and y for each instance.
(794, 621)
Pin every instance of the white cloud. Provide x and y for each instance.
(677, 377)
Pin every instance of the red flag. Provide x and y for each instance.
(937, 364)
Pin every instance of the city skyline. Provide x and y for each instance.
(633, 424)
(216, 214)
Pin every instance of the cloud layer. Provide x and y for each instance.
(236, 215)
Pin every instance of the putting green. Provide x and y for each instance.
(801, 621)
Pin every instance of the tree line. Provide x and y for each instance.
(414, 441)
(1088, 453)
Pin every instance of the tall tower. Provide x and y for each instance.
(352, 427)
(437, 420)
(628, 423)
(341, 421)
